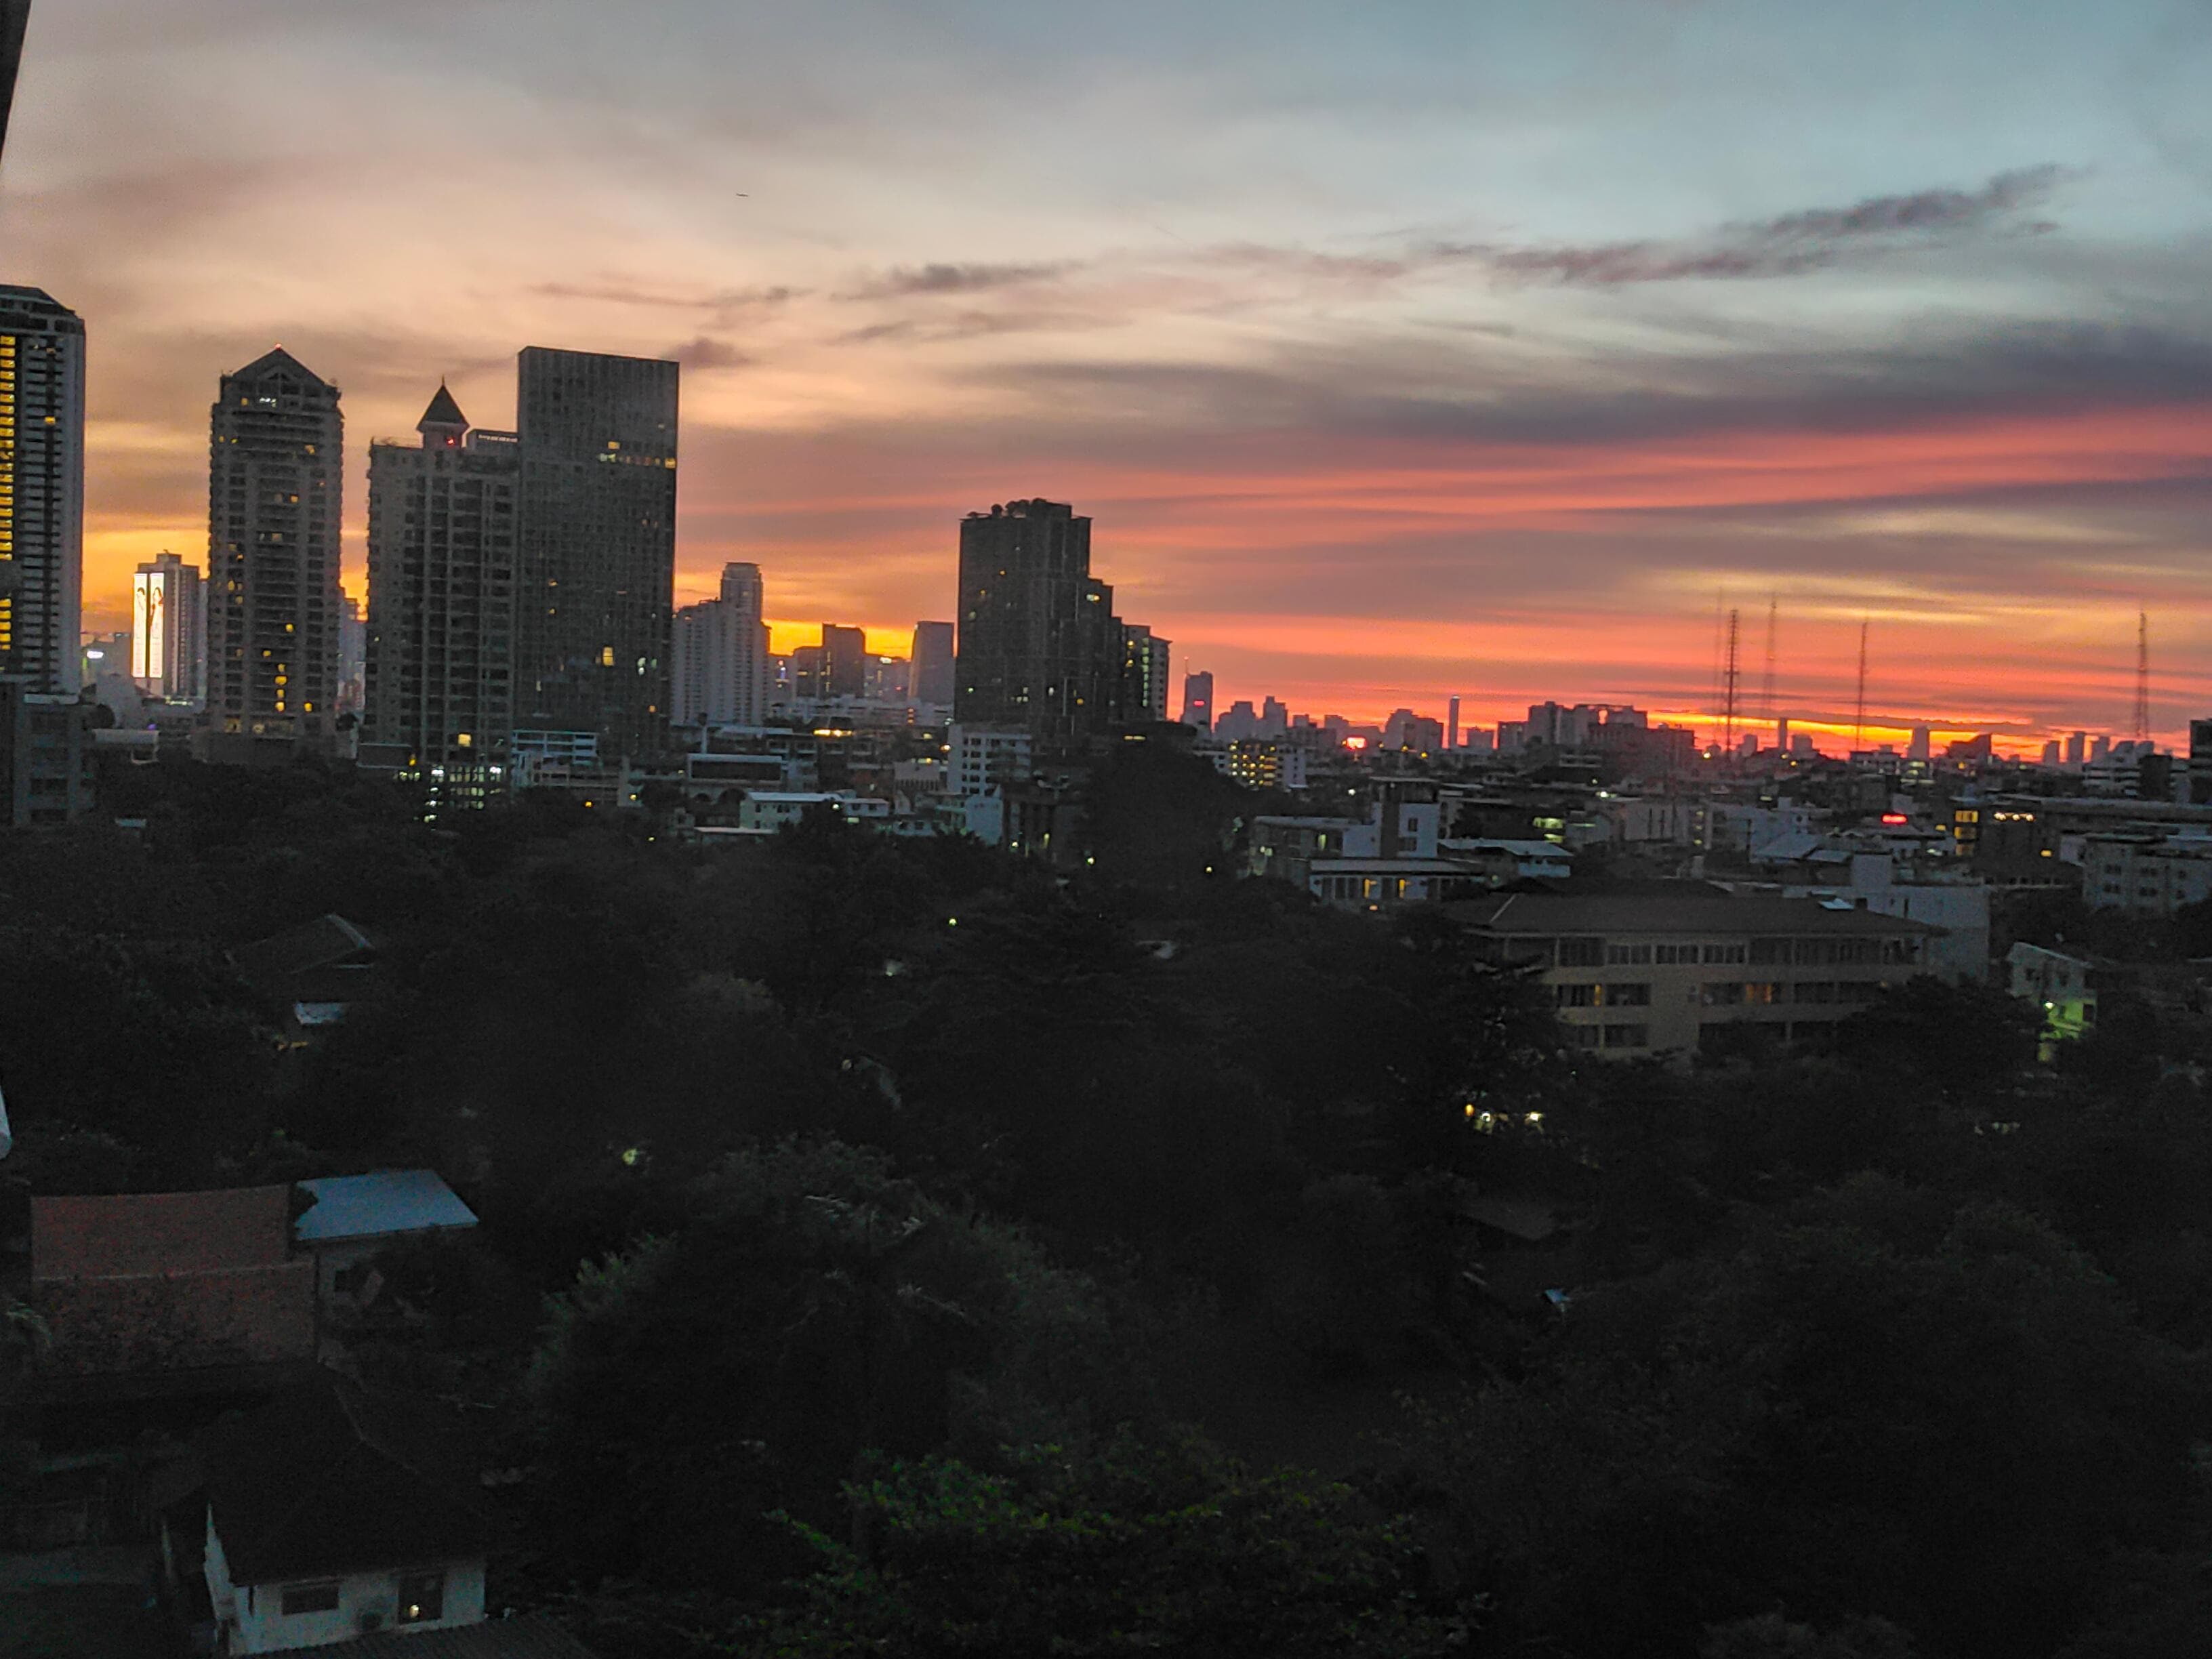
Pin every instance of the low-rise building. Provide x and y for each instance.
(2151, 875)
(349, 1219)
(2063, 984)
(1638, 974)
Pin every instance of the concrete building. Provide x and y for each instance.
(596, 555)
(1039, 645)
(41, 489)
(931, 677)
(985, 759)
(274, 494)
(168, 624)
(1266, 763)
(1198, 701)
(721, 656)
(1637, 975)
(47, 767)
(844, 661)
(2062, 984)
(2150, 873)
(1144, 673)
(439, 674)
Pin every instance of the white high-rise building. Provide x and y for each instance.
(41, 489)
(168, 629)
(720, 655)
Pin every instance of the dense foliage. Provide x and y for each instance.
(891, 1248)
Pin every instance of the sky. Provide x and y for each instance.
(1397, 350)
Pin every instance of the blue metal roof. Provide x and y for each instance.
(373, 1206)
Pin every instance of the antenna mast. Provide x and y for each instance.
(1858, 723)
(2143, 677)
(1729, 697)
(1772, 714)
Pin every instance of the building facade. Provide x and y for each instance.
(168, 623)
(720, 674)
(275, 493)
(1144, 673)
(1198, 701)
(438, 678)
(1039, 645)
(1634, 976)
(930, 682)
(41, 489)
(47, 767)
(597, 550)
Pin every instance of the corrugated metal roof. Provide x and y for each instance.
(1538, 913)
(378, 1205)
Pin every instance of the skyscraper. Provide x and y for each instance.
(41, 489)
(168, 620)
(720, 655)
(930, 686)
(1198, 701)
(596, 559)
(14, 15)
(1039, 646)
(1144, 673)
(439, 680)
(275, 477)
(844, 660)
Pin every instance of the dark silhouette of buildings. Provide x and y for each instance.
(844, 660)
(1198, 701)
(1144, 673)
(14, 15)
(930, 681)
(596, 555)
(720, 654)
(439, 677)
(275, 478)
(41, 489)
(1039, 646)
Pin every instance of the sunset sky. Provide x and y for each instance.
(1397, 349)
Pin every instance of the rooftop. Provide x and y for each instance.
(496, 1638)
(1639, 913)
(378, 1205)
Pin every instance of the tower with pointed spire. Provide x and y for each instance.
(274, 494)
(439, 695)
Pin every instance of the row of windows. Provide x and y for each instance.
(1605, 996)
(1609, 1036)
(1825, 952)
(422, 1598)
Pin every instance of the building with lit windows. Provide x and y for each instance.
(596, 559)
(41, 490)
(1635, 974)
(719, 675)
(439, 678)
(1144, 673)
(274, 473)
(169, 621)
(1198, 701)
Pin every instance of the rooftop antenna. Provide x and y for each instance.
(1728, 703)
(1858, 721)
(1720, 633)
(2143, 677)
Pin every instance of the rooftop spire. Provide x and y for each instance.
(442, 421)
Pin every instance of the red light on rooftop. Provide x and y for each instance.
(1894, 817)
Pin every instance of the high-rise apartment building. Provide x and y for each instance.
(721, 657)
(274, 480)
(930, 679)
(1198, 701)
(169, 621)
(844, 660)
(596, 558)
(1039, 646)
(1144, 673)
(41, 489)
(439, 678)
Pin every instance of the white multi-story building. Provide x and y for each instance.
(984, 758)
(720, 655)
(2149, 874)
(168, 624)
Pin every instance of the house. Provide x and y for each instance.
(315, 971)
(496, 1638)
(349, 1219)
(165, 1292)
(2065, 985)
(333, 1513)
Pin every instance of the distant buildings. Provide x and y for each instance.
(1198, 701)
(931, 676)
(1039, 646)
(596, 545)
(1144, 673)
(41, 489)
(168, 624)
(275, 481)
(844, 661)
(439, 679)
(721, 657)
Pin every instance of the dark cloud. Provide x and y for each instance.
(705, 352)
(623, 291)
(902, 280)
(1788, 245)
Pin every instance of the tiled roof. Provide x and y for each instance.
(496, 1638)
(161, 1282)
(329, 1478)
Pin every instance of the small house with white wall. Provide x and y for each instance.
(349, 1219)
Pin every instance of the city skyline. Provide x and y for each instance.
(1508, 356)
